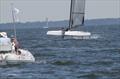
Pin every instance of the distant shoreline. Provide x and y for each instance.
(62, 23)
(66, 20)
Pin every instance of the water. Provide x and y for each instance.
(58, 58)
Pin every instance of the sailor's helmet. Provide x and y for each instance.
(3, 34)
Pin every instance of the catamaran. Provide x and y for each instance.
(8, 54)
(77, 13)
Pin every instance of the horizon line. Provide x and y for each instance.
(57, 20)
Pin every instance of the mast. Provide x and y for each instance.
(70, 14)
(83, 20)
(46, 22)
(13, 17)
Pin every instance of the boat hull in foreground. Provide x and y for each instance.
(12, 58)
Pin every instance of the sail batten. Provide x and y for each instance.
(77, 12)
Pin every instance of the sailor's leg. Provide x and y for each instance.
(63, 34)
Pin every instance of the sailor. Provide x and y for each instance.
(1, 35)
(63, 31)
(15, 44)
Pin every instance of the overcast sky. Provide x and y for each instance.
(38, 10)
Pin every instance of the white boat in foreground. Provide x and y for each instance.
(77, 12)
(8, 55)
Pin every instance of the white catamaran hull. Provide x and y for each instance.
(69, 33)
(13, 58)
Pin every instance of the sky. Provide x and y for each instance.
(55, 10)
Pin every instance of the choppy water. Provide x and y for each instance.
(58, 58)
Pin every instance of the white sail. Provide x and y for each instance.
(77, 13)
(16, 11)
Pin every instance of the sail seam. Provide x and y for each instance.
(77, 13)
